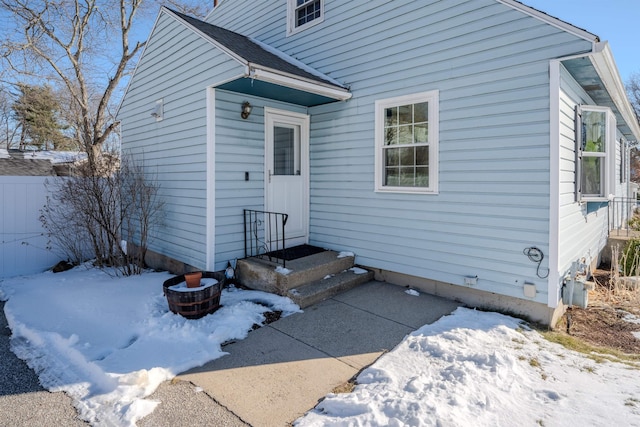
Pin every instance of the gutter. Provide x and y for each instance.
(605, 65)
(268, 75)
(603, 62)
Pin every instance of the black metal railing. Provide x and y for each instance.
(621, 210)
(264, 234)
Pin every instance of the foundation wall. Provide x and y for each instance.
(532, 311)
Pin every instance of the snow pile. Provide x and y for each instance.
(57, 156)
(629, 317)
(345, 254)
(204, 284)
(109, 342)
(280, 269)
(484, 369)
(412, 292)
(4, 154)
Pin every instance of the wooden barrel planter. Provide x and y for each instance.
(194, 303)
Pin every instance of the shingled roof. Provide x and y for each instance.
(20, 163)
(256, 53)
(26, 167)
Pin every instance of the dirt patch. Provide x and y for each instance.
(611, 318)
(269, 317)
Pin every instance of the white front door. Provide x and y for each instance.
(287, 172)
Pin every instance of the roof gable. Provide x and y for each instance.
(556, 22)
(251, 51)
(264, 62)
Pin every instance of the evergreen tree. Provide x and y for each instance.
(37, 110)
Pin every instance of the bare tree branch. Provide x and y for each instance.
(66, 38)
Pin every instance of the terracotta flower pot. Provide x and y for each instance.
(193, 279)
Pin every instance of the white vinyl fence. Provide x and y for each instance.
(23, 241)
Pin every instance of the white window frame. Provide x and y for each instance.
(624, 161)
(292, 28)
(432, 97)
(609, 155)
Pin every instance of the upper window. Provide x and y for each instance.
(596, 127)
(407, 143)
(303, 14)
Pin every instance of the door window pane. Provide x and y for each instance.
(286, 151)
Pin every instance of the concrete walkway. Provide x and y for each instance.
(282, 370)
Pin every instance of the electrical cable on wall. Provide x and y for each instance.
(535, 255)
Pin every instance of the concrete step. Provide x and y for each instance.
(329, 286)
(265, 275)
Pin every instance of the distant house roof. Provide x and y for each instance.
(44, 163)
(265, 64)
(26, 167)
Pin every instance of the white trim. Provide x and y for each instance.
(613, 153)
(271, 76)
(558, 23)
(266, 74)
(609, 155)
(230, 79)
(211, 180)
(291, 18)
(605, 65)
(432, 97)
(553, 281)
(213, 9)
(302, 120)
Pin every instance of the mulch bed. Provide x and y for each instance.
(601, 323)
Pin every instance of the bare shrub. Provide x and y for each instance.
(621, 285)
(104, 204)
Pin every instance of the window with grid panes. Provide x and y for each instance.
(303, 14)
(406, 143)
(595, 138)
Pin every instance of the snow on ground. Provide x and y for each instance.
(412, 292)
(109, 342)
(484, 369)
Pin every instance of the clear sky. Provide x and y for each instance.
(616, 21)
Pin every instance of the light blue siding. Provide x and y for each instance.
(490, 64)
(240, 148)
(177, 67)
(582, 234)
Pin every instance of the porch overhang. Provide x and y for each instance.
(267, 71)
(597, 73)
(273, 84)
